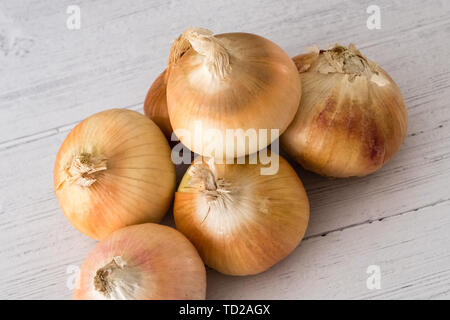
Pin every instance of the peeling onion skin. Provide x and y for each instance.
(256, 78)
(262, 220)
(345, 126)
(154, 262)
(131, 178)
(155, 105)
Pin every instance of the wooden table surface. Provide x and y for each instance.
(397, 219)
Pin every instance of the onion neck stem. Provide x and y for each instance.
(116, 280)
(345, 60)
(215, 189)
(217, 58)
(84, 168)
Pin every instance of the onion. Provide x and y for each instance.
(240, 221)
(114, 169)
(146, 261)
(352, 117)
(231, 81)
(155, 105)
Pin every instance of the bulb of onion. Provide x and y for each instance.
(155, 105)
(147, 261)
(352, 117)
(240, 221)
(231, 81)
(114, 169)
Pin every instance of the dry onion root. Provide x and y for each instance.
(114, 169)
(146, 261)
(231, 81)
(155, 105)
(240, 221)
(352, 117)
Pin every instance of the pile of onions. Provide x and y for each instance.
(147, 261)
(240, 221)
(114, 169)
(341, 114)
(352, 117)
(221, 82)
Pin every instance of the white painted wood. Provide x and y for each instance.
(61, 76)
(411, 251)
(53, 77)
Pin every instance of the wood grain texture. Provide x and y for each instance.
(53, 77)
(405, 248)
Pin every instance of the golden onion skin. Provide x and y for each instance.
(261, 90)
(347, 124)
(249, 223)
(140, 262)
(155, 105)
(139, 180)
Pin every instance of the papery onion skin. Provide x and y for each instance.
(155, 105)
(346, 125)
(137, 184)
(256, 86)
(262, 220)
(154, 262)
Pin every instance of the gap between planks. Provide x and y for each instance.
(370, 221)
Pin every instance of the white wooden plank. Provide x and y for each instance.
(65, 75)
(411, 251)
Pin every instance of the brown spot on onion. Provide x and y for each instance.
(375, 144)
(326, 116)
